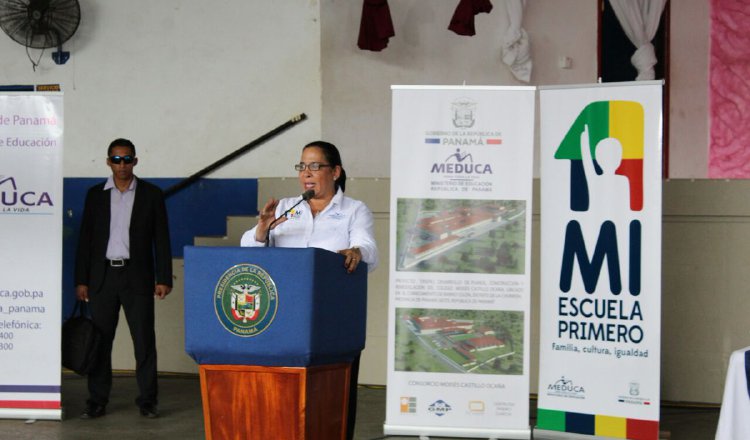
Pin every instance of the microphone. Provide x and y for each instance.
(307, 195)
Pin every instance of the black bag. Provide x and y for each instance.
(80, 341)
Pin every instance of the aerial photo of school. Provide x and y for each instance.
(459, 341)
(461, 236)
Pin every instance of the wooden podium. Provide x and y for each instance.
(249, 402)
(288, 376)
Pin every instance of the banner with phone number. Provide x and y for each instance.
(31, 181)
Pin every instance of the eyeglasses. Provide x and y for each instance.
(312, 166)
(117, 159)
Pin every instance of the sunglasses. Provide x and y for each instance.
(117, 159)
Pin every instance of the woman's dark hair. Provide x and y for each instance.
(333, 157)
(120, 142)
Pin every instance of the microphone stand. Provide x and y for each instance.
(307, 195)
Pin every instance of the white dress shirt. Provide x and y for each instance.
(343, 224)
(734, 419)
(121, 209)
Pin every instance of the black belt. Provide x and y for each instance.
(118, 263)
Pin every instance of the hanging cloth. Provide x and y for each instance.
(640, 21)
(376, 26)
(516, 51)
(462, 22)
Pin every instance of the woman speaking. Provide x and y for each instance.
(323, 218)
(327, 220)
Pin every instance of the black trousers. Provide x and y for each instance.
(105, 306)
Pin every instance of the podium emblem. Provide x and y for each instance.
(245, 300)
(245, 303)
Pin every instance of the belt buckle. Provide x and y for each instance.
(117, 263)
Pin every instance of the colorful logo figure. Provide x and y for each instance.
(615, 145)
(605, 148)
(245, 300)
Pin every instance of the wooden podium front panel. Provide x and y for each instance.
(249, 402)
(327, 402)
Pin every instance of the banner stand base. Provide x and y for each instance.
(31, 414)
(543, 434)
(424, 432)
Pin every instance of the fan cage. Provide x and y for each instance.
(40, 24)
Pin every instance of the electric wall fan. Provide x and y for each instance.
(41, 24)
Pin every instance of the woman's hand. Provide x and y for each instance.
(353, 257)
(266, 216)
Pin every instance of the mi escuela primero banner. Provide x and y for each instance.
(459, 295)
(31, 147)
(601, 165)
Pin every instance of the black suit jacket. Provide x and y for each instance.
(150, 251)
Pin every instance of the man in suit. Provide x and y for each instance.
(123, 260)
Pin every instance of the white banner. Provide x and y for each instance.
(601, 261)
(31, 147)
(459, 296)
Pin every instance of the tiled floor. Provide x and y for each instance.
(182, 417)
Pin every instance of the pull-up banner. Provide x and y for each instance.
(459, 296)
(31, 147)
(601, 261)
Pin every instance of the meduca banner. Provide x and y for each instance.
(459, 294)
(601, 164)
(31, 148)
